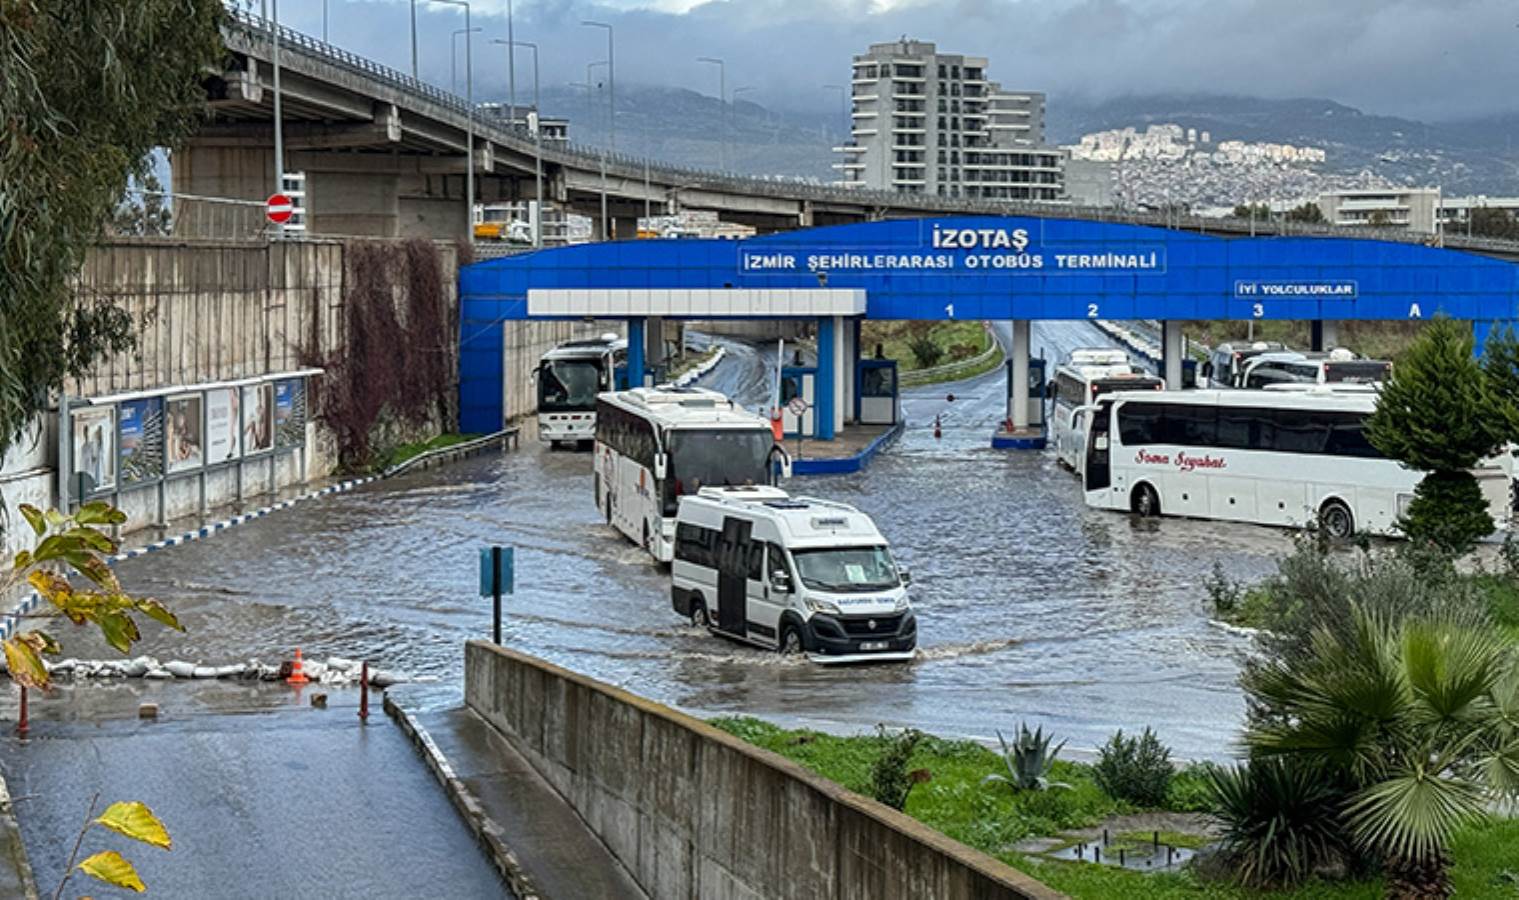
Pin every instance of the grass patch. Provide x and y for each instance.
(993, 819)
(958, 340)
(404, 452)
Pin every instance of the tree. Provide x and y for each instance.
(144, 212)
(1414, 724)
(1252, 211)
(1500, 363)
(1308, 212)
(1434, 416)
(1487, 221)
(88, 89)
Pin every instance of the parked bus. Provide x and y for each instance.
(1084, 377)
(1339, 366)
(1283, 458)
(795, 575)
(655, 445)
(1227, 362)
(569, 378)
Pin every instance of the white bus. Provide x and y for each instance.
(1081, 379)
(1338, 366)
(1283, 458)
(655, 445)
(1226, 363)
(569, 378)
(795, 575)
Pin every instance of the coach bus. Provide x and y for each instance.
(654, 445)
(1286, 458)
(1081, 379)
(569, 378)
(1339, 366)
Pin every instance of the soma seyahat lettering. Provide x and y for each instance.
(950, 249)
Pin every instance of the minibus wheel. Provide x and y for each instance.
(699, 613)
(1337, 520)
(1145, 501)
(791, 641)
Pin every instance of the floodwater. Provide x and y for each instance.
(1031, 606)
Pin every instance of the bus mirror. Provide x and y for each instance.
(661, 466)
(1100, 443)
(905, 577)
(780, 582)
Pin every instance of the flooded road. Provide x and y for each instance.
(1031, 606)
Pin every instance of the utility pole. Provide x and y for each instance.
(279, 126)
(537, 125)
(611, 84)
(469, 140)
(511, 69)
(413, 40)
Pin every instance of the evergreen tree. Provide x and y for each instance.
(1500, 363)
(1434, 415)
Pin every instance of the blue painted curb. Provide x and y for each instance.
(1004, 441)
(10, 622)
(847, 465)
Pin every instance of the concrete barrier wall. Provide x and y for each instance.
(693, 812)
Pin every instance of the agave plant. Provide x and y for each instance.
(1419, 719)
(1028, 760)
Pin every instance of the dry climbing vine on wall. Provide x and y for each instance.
(394, 368)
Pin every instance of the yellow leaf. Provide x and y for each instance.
(23, 559)
(25, 664)
(99, 512)
(136, 821)
(33, 517)
(113, 868)
(160, 613)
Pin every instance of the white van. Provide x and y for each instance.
(790, 574)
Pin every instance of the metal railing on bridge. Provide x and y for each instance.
(637, 169)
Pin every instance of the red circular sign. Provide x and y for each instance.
(279, 208)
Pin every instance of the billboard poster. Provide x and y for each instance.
(141, 427)
(223, 425)
(94, 445)
(289, 412)
(183, 434)
(258, 418)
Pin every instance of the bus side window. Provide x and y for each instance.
(776, 561)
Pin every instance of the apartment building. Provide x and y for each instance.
(927, 122)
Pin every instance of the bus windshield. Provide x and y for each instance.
(568, 385)
(846, 569)
(718, 457)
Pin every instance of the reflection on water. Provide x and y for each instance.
(1031, 606)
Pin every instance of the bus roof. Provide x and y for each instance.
(685, 408)
(802, 522)
(1317, 397)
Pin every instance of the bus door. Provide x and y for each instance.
(733, 558)
(1099, 471)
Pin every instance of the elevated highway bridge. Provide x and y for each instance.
(385, 155)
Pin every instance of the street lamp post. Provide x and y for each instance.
(453, 57)
(722, 100)
(511, 69)
(590, 87)
(469, 100)
(537, 124)
(732, 114)
(413, 40)
(279, 125)
(611, 83)
(324, 21)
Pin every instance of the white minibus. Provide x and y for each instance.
(798, 575)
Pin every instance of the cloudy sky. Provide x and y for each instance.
(1430, 59)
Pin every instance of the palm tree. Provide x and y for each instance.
(1419, 718)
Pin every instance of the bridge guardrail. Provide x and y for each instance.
(628, 167)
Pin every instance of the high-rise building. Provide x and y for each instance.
(925, 122)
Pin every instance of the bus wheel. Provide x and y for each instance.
(699, 613)
(1145, 501)
(791, 641)
(1337, 521)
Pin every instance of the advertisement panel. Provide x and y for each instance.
(258, 418)
(141, 427)
(289, 412)
(183, 434)
(94, 446)
(223, 423)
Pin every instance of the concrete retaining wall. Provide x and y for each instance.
(695, 813)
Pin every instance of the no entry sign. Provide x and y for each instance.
(279, 208)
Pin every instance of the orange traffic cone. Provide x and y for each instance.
(296, 675)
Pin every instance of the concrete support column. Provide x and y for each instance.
(635, 352)
(1173, 351)
(624, 228)
(841, 375)
(654, 343)
(1324, 334)
(851, 369)
(1019, 398)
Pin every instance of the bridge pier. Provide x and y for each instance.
(1324, 334)
(1019, 413)
(635, 352)
(1173, 351)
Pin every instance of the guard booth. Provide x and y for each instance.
(1034, 438)
(799, 381)
(877, 401)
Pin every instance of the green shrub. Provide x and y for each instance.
(1281, 822)
(1028, 760)
(1137, 770)
(890, 779)
(1191, 789)
(925, 350)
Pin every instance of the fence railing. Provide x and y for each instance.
(143, 213)
(663, 176)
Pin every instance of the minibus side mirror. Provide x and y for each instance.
(780, 582)
(661, 466)
(905, 576)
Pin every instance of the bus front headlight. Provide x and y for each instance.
(822, 606)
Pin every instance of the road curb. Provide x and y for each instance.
(12, 850)
(454, 453)
(847, 465)
(486, 831)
